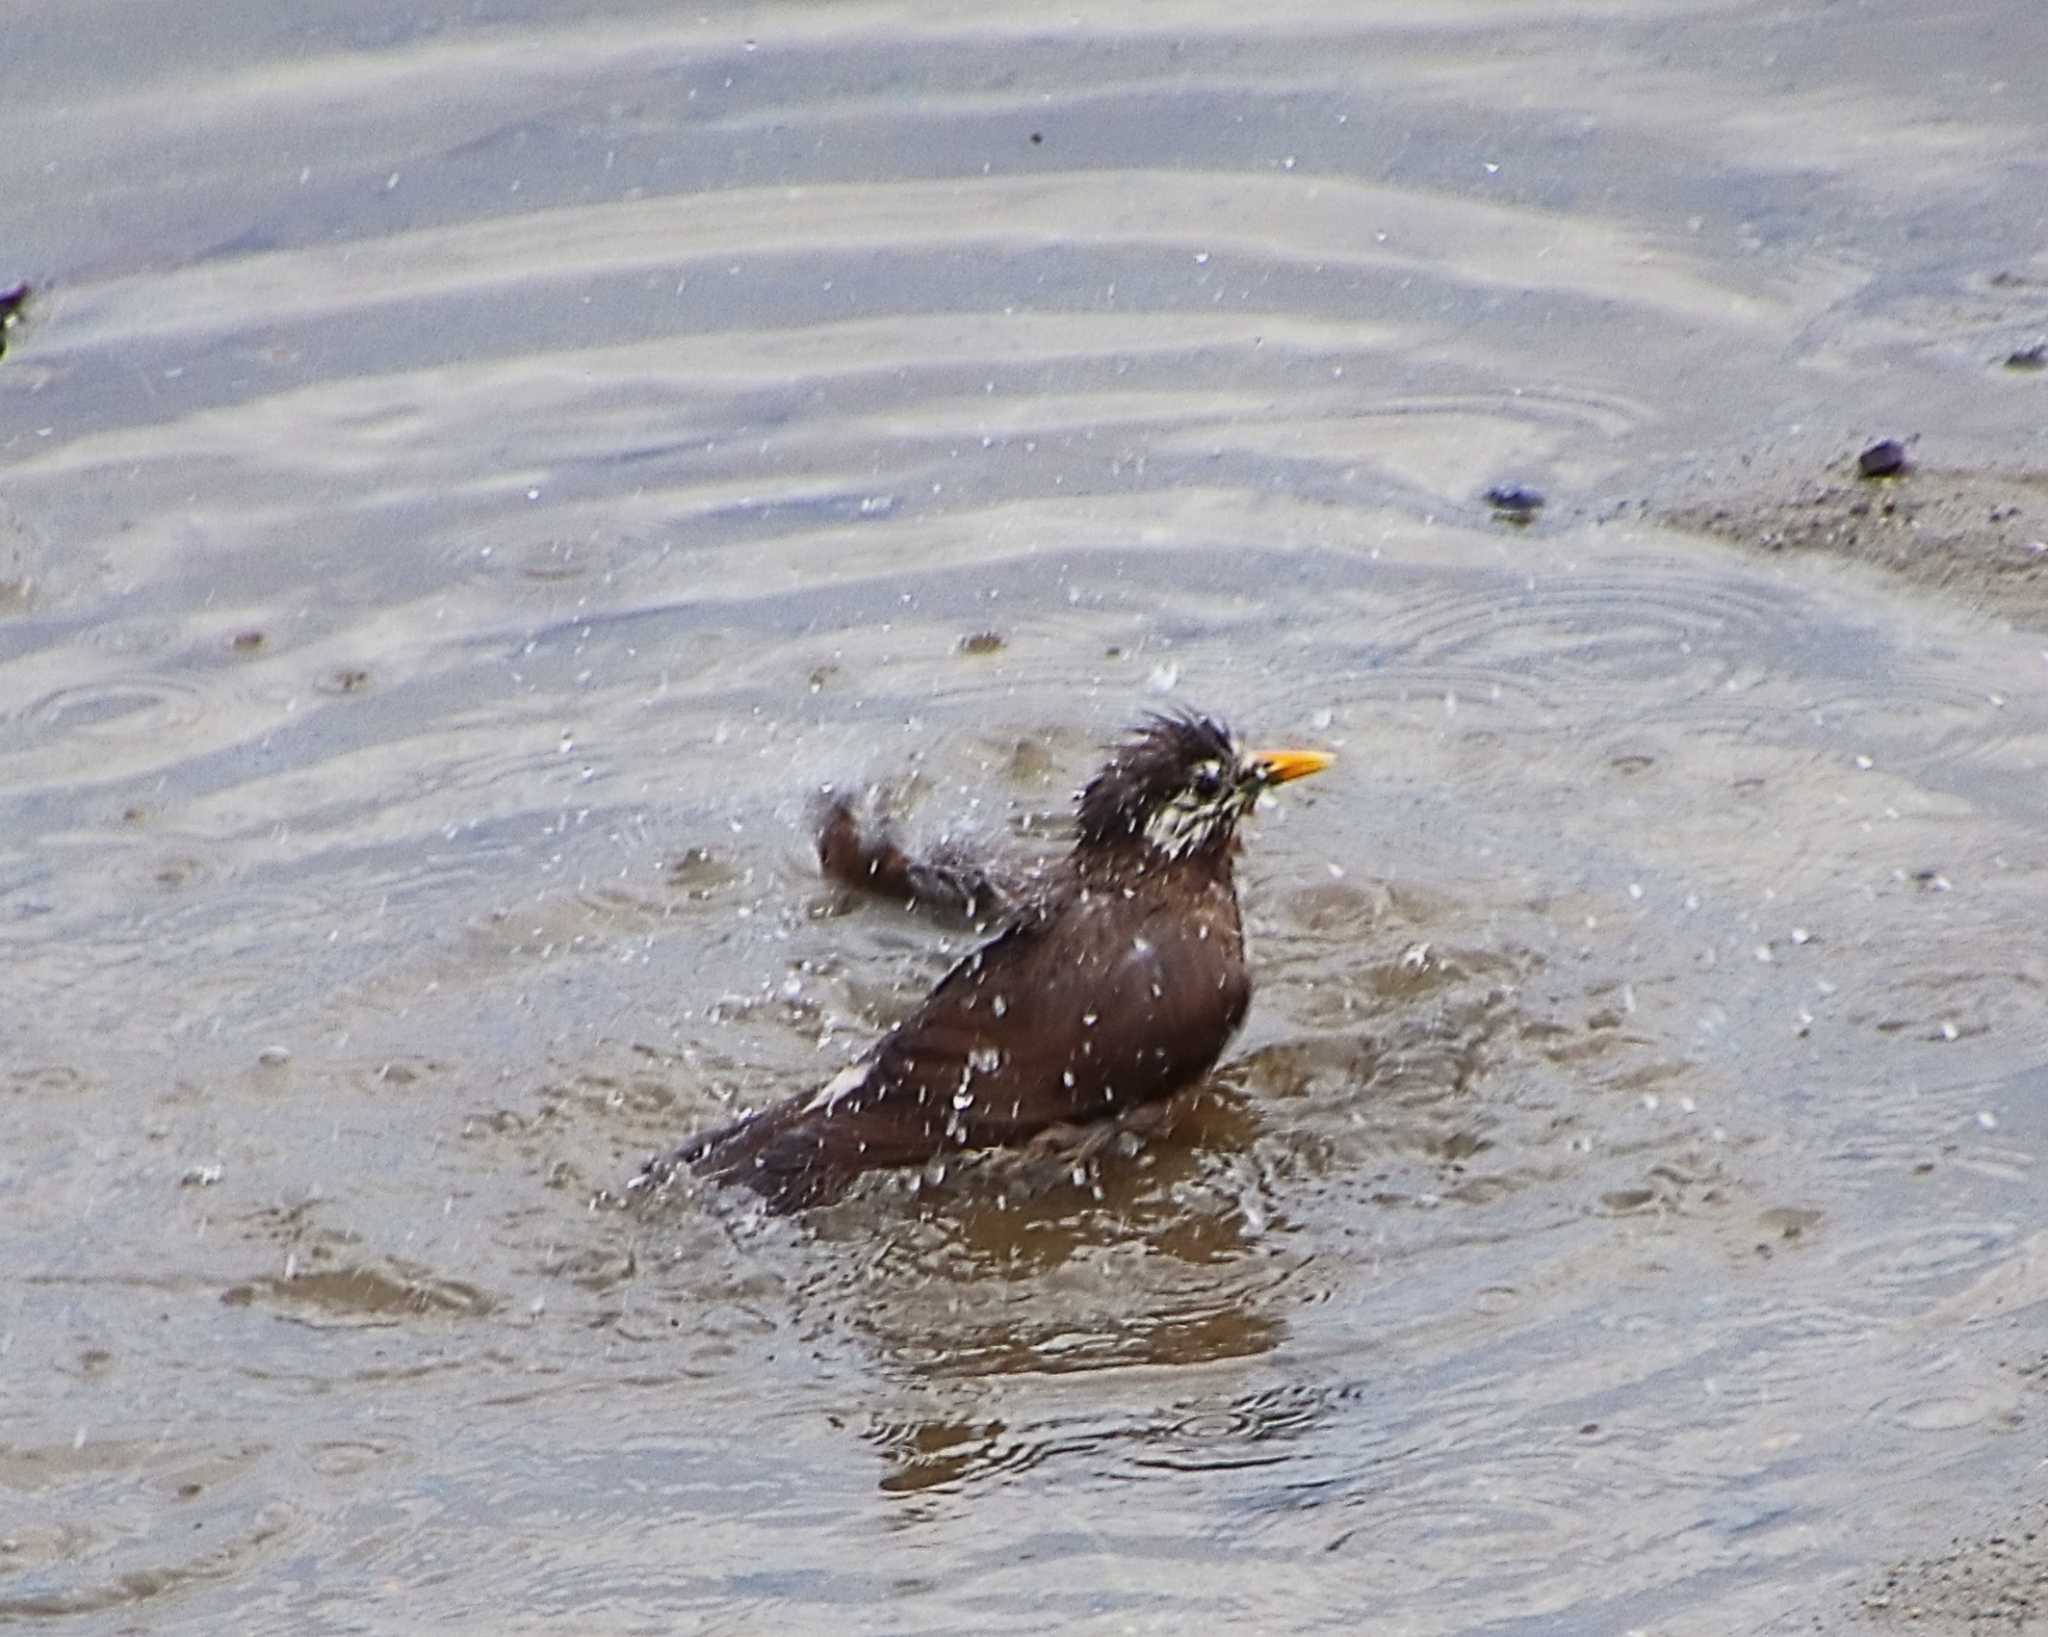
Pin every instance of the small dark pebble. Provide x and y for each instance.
(1885, 458)
(1037, 137)
(2034, 357)
(11, 300)
(247, 642)
(1515, 501)
(981, 642)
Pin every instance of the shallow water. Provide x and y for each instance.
(468, 483)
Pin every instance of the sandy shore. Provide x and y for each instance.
(1978, 536)
(1996, 1580)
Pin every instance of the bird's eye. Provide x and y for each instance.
(1208, 781)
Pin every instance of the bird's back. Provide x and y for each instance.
(1115, 987)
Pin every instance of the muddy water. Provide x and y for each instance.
(469, 481)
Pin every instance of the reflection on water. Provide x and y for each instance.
(468, 485)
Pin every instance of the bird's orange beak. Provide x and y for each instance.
(1278, 766)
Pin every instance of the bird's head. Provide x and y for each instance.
(1180, 783)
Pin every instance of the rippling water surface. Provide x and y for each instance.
(470, 477)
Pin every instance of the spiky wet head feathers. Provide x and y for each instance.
(1179, 781)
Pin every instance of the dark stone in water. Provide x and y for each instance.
(12, 300)
(2034, 357)
(1885, 458)
(1515, 501)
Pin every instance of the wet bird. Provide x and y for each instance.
(1114, 979)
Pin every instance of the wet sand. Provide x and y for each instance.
(1979, 538)
(1996, 1581)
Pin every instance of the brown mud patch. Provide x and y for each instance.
(1995, 1581)
(1978, 536)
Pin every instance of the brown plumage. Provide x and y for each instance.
(1115, 980)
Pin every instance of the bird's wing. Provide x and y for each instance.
(1079, 1008)
(1064, 1017)
(893, 1106)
